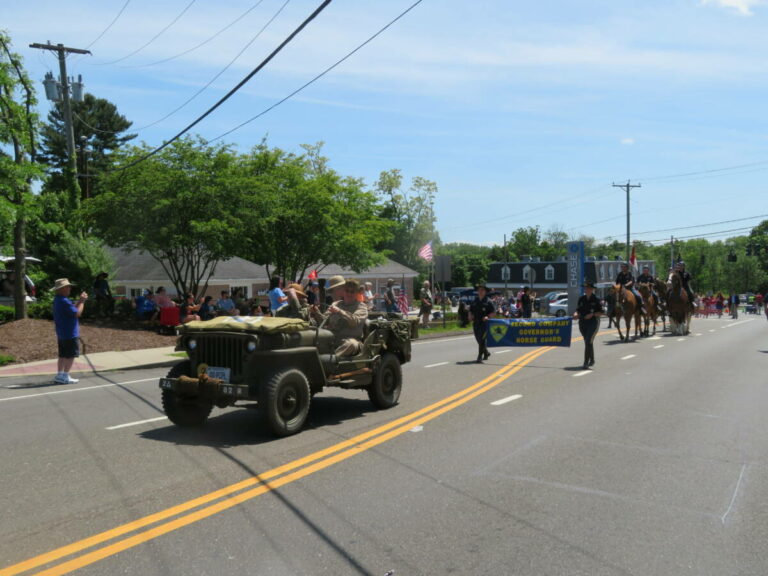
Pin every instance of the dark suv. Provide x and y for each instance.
(279, 363)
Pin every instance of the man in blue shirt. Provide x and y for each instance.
(277, 298)
(226, 305)
(65, 318)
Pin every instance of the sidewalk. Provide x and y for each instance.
(97, 362)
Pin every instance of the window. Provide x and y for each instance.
(243, 290)
(549, 273)
(527, 273)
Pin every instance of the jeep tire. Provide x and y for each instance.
(384, 391)
(184, 411)
(284, 402)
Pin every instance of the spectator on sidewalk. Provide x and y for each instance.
(226, 305)
(65, 319)
(105, 303)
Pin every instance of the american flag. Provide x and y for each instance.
(402, 302)
(633, 260)
(426, 251)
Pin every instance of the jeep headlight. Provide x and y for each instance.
(191, 343)
(251, 345)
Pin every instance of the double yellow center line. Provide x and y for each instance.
(129, 535)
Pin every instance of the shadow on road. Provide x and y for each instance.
(243, 426)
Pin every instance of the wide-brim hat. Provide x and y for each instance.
(335, 282)
(298, 289)
(588, 284)
(61, 283)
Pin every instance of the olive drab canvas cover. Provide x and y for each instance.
(258, 324)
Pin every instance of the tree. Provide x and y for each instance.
(182, 206)
(470, 262)
(525, 241)
(19, 166)
(100, 130)
(412, 214)
(302, 214)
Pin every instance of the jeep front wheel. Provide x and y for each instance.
(181, 410)
(284, 402)
(387, 383)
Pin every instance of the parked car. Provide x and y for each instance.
(559, 308)
(8, 279)
(552, 298)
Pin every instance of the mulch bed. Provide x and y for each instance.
(31, 340)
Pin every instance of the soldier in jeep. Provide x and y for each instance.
(345, 318)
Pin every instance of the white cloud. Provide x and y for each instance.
(627, 141)
(743, 7)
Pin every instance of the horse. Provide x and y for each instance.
(626, 306)
(678, 306)
(661, 305)
(651, 309)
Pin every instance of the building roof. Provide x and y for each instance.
(134, 266)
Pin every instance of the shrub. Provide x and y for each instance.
(5, 358)
(6, 314)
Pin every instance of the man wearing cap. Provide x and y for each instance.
(685, 279)
(480, 310)
(297, 303)
(390, 302)
(65, 319)
(647, 278)
(588, 312)
(626, 278)
(346, 317)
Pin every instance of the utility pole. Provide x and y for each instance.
(62, 52)
(627, 187)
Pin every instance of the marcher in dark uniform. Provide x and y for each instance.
(479, 311)
(685, 278)
(588, 312)
(647, 278)
(627, 279)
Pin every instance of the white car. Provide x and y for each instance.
(559, 308)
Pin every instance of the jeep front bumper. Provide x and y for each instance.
(208, 387)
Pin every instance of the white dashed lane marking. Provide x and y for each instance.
(507, 399)
(582, 373)
(137, 423)
(436, 365)
(659, 346)
(628, 357)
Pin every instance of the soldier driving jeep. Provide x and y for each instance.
(345, 318)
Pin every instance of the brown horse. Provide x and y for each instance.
(651, 308)
(679, 307)
(626, 306)
(661, 305)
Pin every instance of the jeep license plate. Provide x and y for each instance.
(218, 372)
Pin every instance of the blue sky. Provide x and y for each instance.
(523, 113)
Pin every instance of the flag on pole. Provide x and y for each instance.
(426, 251)
(313, 275)
(633, 260)
(402, 302)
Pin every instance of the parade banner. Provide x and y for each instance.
(529, 332)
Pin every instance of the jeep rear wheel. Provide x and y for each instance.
(285, 401)
(183, 410)
(387, 383)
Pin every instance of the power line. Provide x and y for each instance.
(229, 94)
(694, 226)
(323, 73)
(204, 42)
(718, 233)
(201, 90)
(155, 37)
(120, 13)
(703, 172)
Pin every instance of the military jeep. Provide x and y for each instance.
(279, 363)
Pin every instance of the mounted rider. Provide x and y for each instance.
(627, 279)
(647, 278)
(685, 280)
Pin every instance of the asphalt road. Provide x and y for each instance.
(653, 463)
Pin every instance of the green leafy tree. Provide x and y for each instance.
(470, 262)
(100, 130)
(412, 214)
(525, 241)
(182, 206)
(19, 165)
(301, 214)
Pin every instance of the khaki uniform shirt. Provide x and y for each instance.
(349, 321)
